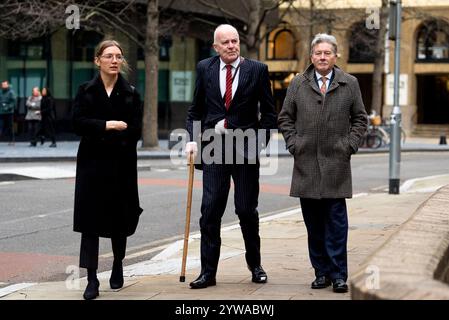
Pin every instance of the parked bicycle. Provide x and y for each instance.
(373, 138)
(378, 134)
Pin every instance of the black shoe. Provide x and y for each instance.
(203, 281)
(259, 275)
(339, 286)
(42, 140)
(116, 280)
(53, 145)
(91, 291)
(321, 282)
(32, 144)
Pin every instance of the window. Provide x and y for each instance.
(30, 50)
(362, 43)
(433, 41)
(205, 49)
(281, 45)
(165, 43)
(84, 44)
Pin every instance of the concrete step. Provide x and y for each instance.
(431, 130)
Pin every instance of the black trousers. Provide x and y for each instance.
(327, 229)
(6, 125)
(89, 250)
(34, 127)
(216, 185)
(48, 129)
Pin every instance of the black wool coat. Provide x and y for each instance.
(106, 192)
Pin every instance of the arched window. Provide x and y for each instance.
(433, 41)
(362, 43)
(281, 45)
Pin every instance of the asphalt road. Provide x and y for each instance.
(36, 238)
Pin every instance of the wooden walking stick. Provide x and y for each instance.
(182, 278)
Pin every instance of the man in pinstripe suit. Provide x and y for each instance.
(231, 93)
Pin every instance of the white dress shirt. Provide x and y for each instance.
(320, 82)
(223, 70)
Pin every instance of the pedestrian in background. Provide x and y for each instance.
(323, 120)
(108, 116)
(7, 107)
(33, 115)
(48, 113)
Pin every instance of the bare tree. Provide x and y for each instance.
(27, 20)
(379, 59)
(150, 115)
(252, 13)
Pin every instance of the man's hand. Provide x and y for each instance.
(191, 147)
(116, 125)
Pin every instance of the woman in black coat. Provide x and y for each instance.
(107, 115)
(48, 112)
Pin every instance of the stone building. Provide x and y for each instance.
(424, 84)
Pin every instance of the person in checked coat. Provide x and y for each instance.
(323, 119)
(107, 114)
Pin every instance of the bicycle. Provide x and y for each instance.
(386, 130)
(373, 138)
(378, 134)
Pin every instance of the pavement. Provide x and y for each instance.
(66, 150)
(373, 218)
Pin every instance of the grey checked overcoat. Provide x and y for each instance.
(322, 132)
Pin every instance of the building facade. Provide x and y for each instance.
(64, 60)
(424, 67)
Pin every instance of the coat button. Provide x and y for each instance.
(319, 101)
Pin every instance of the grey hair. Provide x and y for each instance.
(324, 37)
(224, 26)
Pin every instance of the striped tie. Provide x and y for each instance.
(228, 92)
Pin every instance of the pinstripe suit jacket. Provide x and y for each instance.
(322, 132)
(253, 95)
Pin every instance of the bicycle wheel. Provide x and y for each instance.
(374, 141)
(403, 136)
(385, 136)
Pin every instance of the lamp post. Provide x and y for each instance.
(395, 118)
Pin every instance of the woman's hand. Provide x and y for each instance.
(116, 125)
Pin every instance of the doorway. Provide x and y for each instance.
(433, 99)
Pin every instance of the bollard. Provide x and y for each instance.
(443, 139)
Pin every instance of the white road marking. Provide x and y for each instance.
(15, 287)
(5, 183)
(36, 216)
(41, 172)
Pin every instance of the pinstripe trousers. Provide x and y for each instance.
(216, 185)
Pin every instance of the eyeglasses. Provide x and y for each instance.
(320, 53)
(110, 56)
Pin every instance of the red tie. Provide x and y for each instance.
(228, 92)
